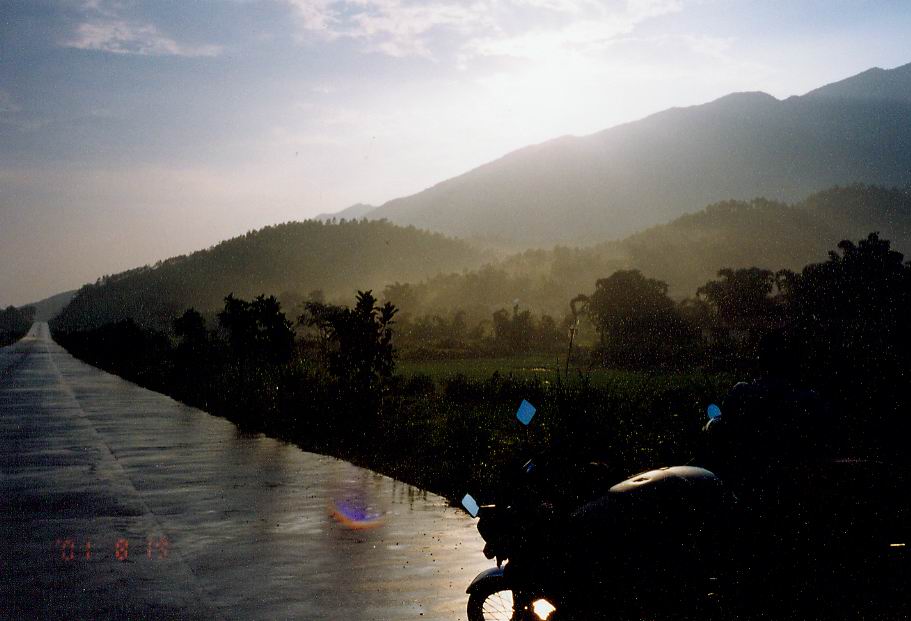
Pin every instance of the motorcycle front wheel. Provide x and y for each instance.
(495, 601)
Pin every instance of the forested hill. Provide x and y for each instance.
(685, 253)
(689, 250)
(582, 190)
(288, 260)
(428, 273)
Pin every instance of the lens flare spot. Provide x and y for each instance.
(355, 513)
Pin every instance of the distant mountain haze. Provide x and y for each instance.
(608, 185)
(685, 253)
(734, 234)
(47, 309)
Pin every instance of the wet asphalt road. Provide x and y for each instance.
(118, 502)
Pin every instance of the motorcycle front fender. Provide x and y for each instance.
(488, 575)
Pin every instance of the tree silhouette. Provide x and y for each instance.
(848, 318)
(257, 330)
(740, 296)
(190, 328)
(638, 323)
(359, 339)
(744, 309)
(14, 323)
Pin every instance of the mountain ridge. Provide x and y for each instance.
(605, 185)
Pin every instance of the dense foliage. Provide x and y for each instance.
(846, 325)
(637, 322)
(357, 342)
(288, 260)
(14, 323)
(840, 325)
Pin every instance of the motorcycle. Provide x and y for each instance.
(681, 542)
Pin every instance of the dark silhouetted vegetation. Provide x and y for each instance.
(638, 324)
(337, 393)
(357, 342)
(331, 386)
(14, 323)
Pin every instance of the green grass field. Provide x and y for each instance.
(542, 366)
(546, 368)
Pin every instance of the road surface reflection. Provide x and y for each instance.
(217, 524)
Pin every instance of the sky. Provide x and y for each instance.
(135, 131)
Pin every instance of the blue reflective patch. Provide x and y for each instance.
(470, 504)
(526, 412)
(714, 412)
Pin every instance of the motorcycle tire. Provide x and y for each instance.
(495, 602)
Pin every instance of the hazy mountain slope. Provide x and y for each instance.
(685, 253)
(691, 249)
(613, 183)
(287, 260)
(873, 84)
(48, 307)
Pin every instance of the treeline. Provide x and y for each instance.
(251, 367)
(839, 326)
(327, 380)
(501, 333)
(14, 323)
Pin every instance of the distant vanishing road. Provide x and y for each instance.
(118, 502)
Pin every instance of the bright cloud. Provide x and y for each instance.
(105, 28)
(123, 37)
(593, 27)
(393, 27)
(517, 28)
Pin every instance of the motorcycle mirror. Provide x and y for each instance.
(471, 505)
(714, 412)
(526, 412)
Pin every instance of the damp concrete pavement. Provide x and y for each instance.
(117, 502)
